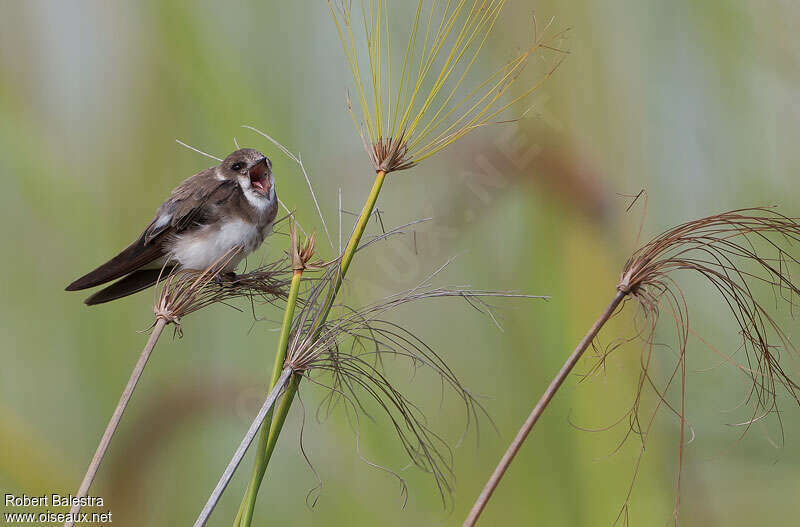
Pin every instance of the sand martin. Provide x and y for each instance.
(231, 204)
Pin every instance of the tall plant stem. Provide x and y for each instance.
(266, 447)
(266, 408)
(352, 246)
(358, 232)
(113, 423)
(540, 407)
(260, 465)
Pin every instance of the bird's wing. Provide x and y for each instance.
(188, 207)
(132, 283)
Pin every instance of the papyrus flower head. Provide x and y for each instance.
(742, 254)
(185, 291)
(417, 105)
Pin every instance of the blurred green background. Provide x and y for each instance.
(698, 102)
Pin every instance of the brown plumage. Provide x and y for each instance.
(231, 204)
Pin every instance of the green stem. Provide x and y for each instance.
(272, 432)
(355, 239)
(286, 327)
(352, 245)
(262, 452)
(269, 436)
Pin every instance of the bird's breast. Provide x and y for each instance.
(203, 247)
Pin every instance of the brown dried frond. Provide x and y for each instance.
(740, 253)
(349, 352)
(730, 251)
(414, 101)
(186, 291)
(268, 283)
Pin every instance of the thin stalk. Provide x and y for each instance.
(270, 435)
(281, 413)
(113, 423)
(355, 238)
(352, 246)
(266, 408)
(260, 465)
(245, 516)
(540, 407)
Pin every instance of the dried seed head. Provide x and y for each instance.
(186, 291)
(738, 253)
(301, 254)
(390, 155)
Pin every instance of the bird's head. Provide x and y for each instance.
(253, 172)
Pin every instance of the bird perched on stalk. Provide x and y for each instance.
(206, 217)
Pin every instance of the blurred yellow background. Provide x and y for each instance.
(698, 102)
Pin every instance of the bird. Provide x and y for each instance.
(206, 218)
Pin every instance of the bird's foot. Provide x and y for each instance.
(227, 278)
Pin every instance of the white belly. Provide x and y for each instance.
(200, 249)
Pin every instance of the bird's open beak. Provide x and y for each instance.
(258, 177)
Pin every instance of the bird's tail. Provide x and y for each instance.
(133, 257)
(133, 283)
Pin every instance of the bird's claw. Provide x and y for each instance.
(228, 278)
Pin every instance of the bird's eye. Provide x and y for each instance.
(237, 166)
